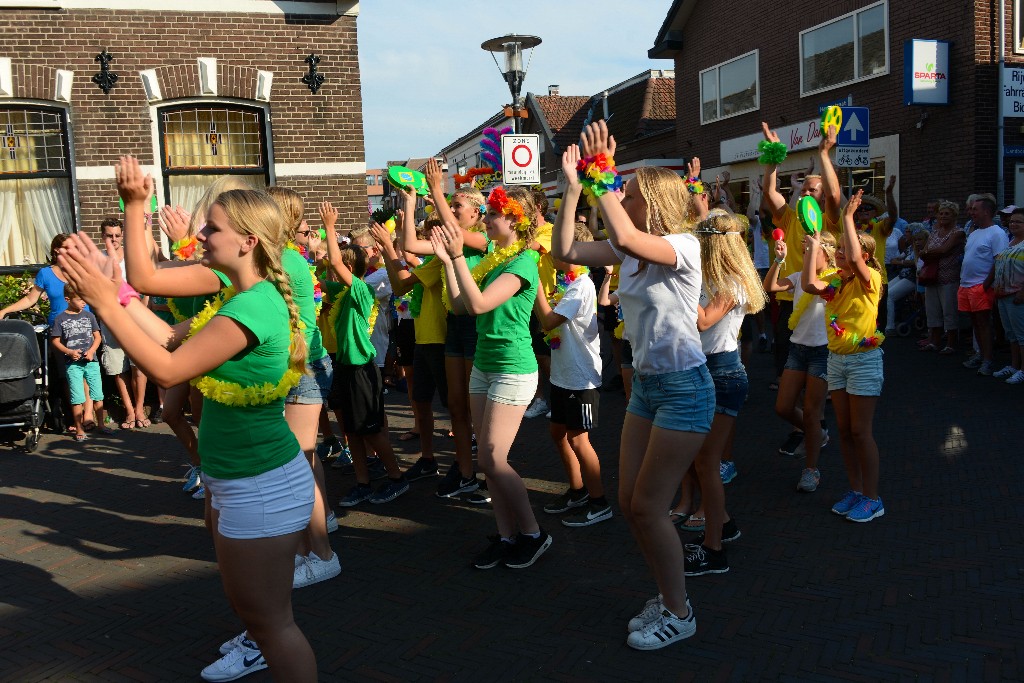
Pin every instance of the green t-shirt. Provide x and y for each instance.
(166, 316)
(503, 335)
(188, 306)
(352, 324)
(236, 442)
(301, 280)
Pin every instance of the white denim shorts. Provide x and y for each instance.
(275, 503)
(503, 387)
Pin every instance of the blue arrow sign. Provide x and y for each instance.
(856, 130)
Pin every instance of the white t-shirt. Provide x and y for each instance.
(892, 245)
(810, 331)
(576, 363)
(381, 286)
(724, 335)
(659, 306)
(761, 259)
(980, 253)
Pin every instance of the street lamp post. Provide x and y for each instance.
(512, 47)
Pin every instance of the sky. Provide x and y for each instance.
(426, 82)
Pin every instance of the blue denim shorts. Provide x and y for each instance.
(730, 378)
(274, 503)
(460, 340)
(313, 389)
(682, 401)
(810, 359)
(859, 374)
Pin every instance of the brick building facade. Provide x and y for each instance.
(199, 92)
(936, 151)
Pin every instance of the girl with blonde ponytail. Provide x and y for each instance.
(244, 352)
(290, 272)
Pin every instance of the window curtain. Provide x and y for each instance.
(187, 190)
(211, 138)
(32, 212)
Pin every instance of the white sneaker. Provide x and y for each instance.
(239, 662)
(1007, 371)
(666, 629)
(332, 523)
(314, 570)
(650, 613)
(537, 408)
(1016, 378)
(229, 645)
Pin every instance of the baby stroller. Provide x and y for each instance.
(23, 382)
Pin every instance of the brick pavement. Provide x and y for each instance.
(108, 575)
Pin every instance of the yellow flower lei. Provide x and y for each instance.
(175, 311)
(496, 258)
(805, 301)
(232, 393)
(332, 317)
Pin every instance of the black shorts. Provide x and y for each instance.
(428, 374)
(537, 340)
(574, 408)
(404, 337)
(460, 340)
(609, 317)
(358, 393)
(627, 355)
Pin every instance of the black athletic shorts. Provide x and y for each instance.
(404, 336)
(428, 374)
(574, 408)
(358, 393)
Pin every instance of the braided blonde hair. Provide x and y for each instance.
(725, 261)
(252, 212)
(670, 209)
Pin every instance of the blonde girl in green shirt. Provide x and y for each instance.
(500, 292)
(244, 358)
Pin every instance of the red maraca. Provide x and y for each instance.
(778, 235)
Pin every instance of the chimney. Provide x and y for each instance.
(552, 89)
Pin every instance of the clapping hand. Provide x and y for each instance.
(596, 140)
(570, 158)
(134, 186)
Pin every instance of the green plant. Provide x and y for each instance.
(13, 287)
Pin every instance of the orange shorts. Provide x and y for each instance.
(974, 299)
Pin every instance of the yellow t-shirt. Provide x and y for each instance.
(855, 308)
(789, 223)
(546, 266)
(432, 323)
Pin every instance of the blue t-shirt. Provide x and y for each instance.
(53, 286)
(75, 329)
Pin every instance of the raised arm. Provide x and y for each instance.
(773, 280)
(809, 280)
(462, 289)
(402, 281)
(890, 207)
(774, 201)
(135, 188)
(329, 215)
(829, 180)
(851, 245)
(621, 231)
(563, 245)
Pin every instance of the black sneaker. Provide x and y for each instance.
(454, 484)
(421, 469)
(703, 560)
(494, 554)
(730, 532)
(792, 443)
(594, 513)
(527, 550)
(481, 496)
(568, 500)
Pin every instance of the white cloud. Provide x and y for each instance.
(426, 82)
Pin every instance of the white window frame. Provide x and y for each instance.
(856, 48)
(718, 80)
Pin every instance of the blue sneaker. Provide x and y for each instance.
(357, 495)
(343, 461)
(390, 490)
(866, 510)
(848, 502)
(728, 471)
(193, 479)
(328, 447)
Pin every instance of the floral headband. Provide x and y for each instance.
(499, 201)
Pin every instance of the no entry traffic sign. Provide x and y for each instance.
(520, 159)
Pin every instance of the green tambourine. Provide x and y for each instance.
(153, 207)
(809, 213)
(400, 177)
